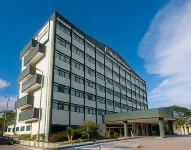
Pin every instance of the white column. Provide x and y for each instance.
(125, 128)
(185, 129)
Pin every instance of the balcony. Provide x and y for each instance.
(26, 74)
(33, 84)
(30, 45)
(35, 55)
(29, 115)
(24, 102)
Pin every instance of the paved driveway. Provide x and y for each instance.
(16, 147)
(151, 143)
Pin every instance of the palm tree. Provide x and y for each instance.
(70, 133)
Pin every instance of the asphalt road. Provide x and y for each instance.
(17, 147)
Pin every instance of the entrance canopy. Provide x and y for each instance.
(144, 116)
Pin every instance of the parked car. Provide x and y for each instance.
(6, 140)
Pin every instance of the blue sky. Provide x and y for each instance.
(123, 25)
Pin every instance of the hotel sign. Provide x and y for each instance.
(112, 54)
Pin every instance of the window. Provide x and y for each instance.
(77, 51)
(109, 102)
(77, 93)
(77, 79)
(90, 97)
(128, 91)
(17, 129)
(23, 128)
(117, 105)
(116, 84)
(63, 28)
(28, 128)
(90, 71)
(55, 104)
(129, 99)
(123, 88)
(90, 59)
(9, 129)
(77, 38)
(101, 112)
(100, 88)
(123, 97)
(109, 81)
(100, 76)
(62, 57)
(63, 42)
(61, 88)
(88, 46)
(110, 92)
(128, 76)
(101, 100)
(63, 106)
(109, 71)
(122, 79)
(109, 112)
(124, 106)
(130, 109)
(116, 75)
(115, 65)
(100, 54)
(89, 110)
(108, 60)
(77, 108)
(100, 65)
(90, 84)
(133, 93)
(62, 73)
(117, 94)
(77, 65)
(13, 130)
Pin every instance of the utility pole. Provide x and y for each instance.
(8, 99)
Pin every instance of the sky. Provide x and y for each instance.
(152, 36)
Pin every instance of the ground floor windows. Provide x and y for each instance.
(77, 108)
(28, 128)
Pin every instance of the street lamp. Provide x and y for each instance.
(8, 99)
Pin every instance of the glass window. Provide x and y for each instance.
(28, 128)
(77, 51)
(55, 104)
(90, 97)
(17, 128)
(100, 76)
(117, 105)
(124, 106)
(23, 128)
(101, 100)
(62, 27)
(77, 65)
(123, 97)
(100, 54)
(109, 91)
(77, 93)
(109, 81)
(77, 79)
(88, 46)
(109, 102)
(101, 112)
(90, 59)
(9, 130)
(56, 87)
(117, 94)
(77, 38)
(90, 84)
(90, 71)
(100, 88)
(108, 60)
(63, 42)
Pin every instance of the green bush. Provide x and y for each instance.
(34, 137)
(116, 134)
(56, 136)
(24, 137)
(42, 137)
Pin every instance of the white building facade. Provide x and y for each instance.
(68, 77)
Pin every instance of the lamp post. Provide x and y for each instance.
(8, 99)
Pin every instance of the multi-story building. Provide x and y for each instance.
(68, 77)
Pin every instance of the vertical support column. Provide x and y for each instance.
(125, 128)
(170, 126)
(182, 130)
(185, 129)
(147, 130)
(189, 129)
(161, 127)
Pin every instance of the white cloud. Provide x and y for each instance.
(11, 104)
(4, 83)
(166, 50)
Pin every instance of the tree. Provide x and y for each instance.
(10, 118)
(182, 115)
(70, 133)
(89, 129)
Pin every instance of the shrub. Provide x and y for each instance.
(24, 137)
(42, 137)
(116, 134)
(34, 137)
(76, 141)
(56, 136)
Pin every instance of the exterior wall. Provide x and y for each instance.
(79, 59)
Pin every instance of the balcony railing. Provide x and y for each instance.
(35, 55)
(30, 45)
(29, 115)
(33, 84)
(24, 102)
(26, 74)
